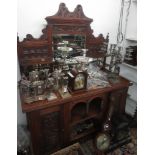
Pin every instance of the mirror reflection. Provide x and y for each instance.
(67, 45)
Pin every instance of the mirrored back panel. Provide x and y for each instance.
(77, 41)
(69, 45)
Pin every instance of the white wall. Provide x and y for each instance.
(31, 14)
(131, 32)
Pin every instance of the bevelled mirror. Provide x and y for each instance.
(68, 45)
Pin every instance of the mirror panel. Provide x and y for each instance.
(68, 45)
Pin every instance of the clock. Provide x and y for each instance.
(77, 80)
(102, 142)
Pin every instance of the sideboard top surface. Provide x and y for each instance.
(39, 105)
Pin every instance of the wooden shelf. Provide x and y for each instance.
(78, 119)
(83, 134)
(94, 113)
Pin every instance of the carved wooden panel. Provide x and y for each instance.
(69, 29)
(63, 13)
(119, 98)
(50, 135)
(35, 50)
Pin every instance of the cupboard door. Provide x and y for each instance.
(51, 130)
(119, 98)
(33, 119)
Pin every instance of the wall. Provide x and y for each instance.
(129, 71)
(131, 31)
(31, 14)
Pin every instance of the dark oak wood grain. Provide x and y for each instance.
(51, 122)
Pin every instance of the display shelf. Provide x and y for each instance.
(82, 111)
(82, 129)
(79, 111)
(95, 106)
(91, 114)
(73, 138)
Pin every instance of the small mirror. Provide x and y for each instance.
(67, 45)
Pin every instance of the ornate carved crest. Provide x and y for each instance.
(65, 13)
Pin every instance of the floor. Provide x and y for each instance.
(128, 149)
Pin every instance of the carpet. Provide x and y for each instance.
(127, 149)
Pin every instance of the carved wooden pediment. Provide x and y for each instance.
(64, 14)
